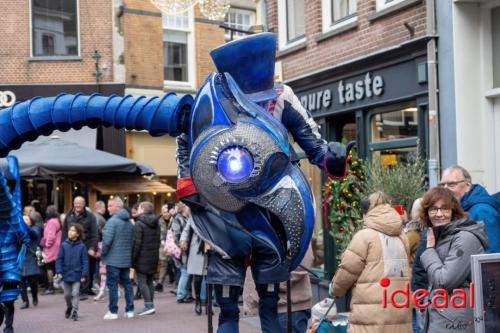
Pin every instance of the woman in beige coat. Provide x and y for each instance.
(379, 250)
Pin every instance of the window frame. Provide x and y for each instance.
(236, 10)
(283, 41)
(381, 4)
(188, 85)
(55, 57)
(327, 17)
(419, 141)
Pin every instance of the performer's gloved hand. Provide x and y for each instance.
(336, 158)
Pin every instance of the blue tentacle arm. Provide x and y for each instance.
(28, 120)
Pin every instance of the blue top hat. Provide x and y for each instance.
(250, 61)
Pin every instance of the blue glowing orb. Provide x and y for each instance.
(235, 164)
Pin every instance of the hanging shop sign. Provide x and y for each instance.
(7, 98)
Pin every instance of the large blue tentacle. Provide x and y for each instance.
(28, 120)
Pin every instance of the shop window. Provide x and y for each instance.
(392, 125)
(178, 55)
(395, 132)
(291, 19)
(349, 132)
(383, 4)
(390, 157)
(238, 19)
(495, 34)
(55, 27)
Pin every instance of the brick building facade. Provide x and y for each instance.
(20, 65)
(372, 31)
(49, 48)
(164, 54)
(360, 68)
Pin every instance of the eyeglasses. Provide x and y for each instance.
(452, 184)
(434, 210)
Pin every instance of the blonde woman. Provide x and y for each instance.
(379, 251)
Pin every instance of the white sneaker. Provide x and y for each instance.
(99, 297)
(129, 314)
(110, 316)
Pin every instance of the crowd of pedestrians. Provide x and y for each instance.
(109, 252)
(431, 251)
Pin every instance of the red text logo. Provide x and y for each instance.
(440, 298)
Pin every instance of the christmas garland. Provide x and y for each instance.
(342, 198)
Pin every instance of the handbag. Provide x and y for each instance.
(170, 248)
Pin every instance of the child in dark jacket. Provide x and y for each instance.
(72, 264)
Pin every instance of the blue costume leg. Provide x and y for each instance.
(227, 298)
(268, 307)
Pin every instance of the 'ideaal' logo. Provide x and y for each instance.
(439, 300)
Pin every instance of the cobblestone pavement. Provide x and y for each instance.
(48, 317)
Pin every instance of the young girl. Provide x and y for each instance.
(102, 274)
(72, 264)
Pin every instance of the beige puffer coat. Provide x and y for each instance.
(380, 249)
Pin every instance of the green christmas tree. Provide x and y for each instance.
(342, 198)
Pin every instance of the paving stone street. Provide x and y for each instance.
(48, 317)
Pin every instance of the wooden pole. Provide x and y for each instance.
(157, 203)
(92, 198)
(68, 197)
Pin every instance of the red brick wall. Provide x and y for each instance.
(95, 33)
(143, 52)
(208, 36)
(367, 38)
(144, 45)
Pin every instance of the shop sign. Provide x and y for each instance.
(366, 89)
(348, 91)
(7, 98)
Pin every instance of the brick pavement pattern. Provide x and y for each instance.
(48, 317)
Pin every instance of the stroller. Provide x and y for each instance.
(325, 315)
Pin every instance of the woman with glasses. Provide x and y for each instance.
(451, 239)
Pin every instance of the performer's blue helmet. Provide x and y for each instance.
(250, 61)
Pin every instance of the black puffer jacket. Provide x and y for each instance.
(87, 220)
(147, 241)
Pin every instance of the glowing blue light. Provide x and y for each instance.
(235, 164)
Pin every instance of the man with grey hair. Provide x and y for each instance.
(90, 237)
(117, 244)
(99, 212)
(476, 201)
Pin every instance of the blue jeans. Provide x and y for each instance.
(416, 319)
(299, 321)
(268, 307)
(183, 286)
(229, 311)
(115, 275)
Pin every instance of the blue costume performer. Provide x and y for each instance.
(14, 240)
(238, 172)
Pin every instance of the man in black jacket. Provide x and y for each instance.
(79, 215)
(145, 253)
